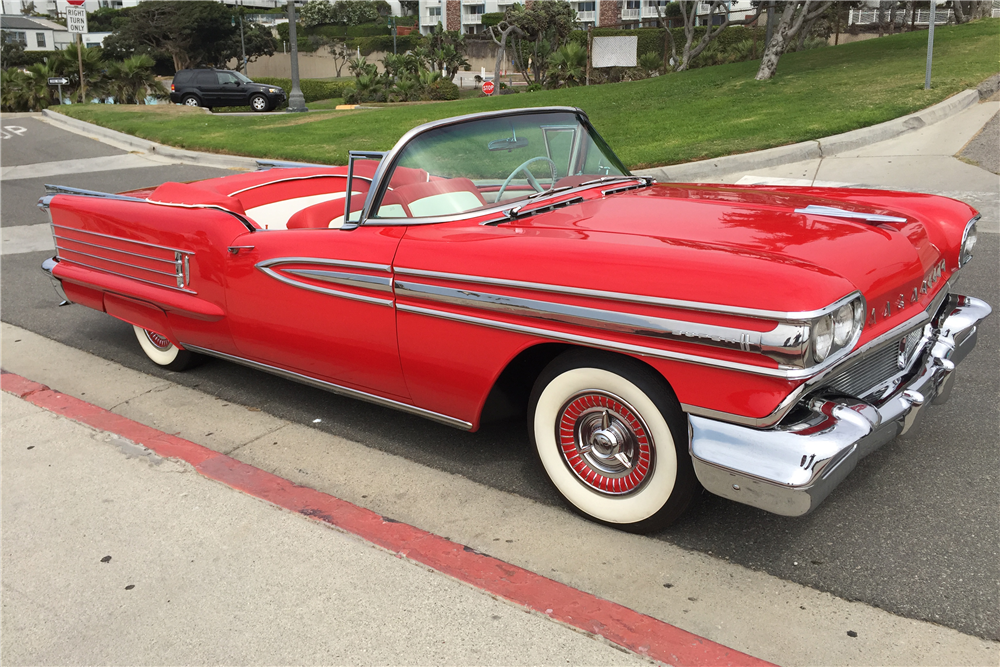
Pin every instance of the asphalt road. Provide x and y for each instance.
(914, 529)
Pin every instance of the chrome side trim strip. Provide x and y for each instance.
(628, 323)
(265, 165)
(121, 252)
(118, 238)
(606, 344)
(266, 267)
(629, 298)
(169, 274)
(380, 283)
(64, 190)
(122, 275)
(298, 178)
(342, 263)
(334, 388)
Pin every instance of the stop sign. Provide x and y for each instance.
(76, 3)
(487, 87)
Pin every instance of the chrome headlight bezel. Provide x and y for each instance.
(795, 343)
(965, 250)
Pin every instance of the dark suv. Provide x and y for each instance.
(223, 88)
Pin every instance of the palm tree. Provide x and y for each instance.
(13, 86)
(132, 79)
(67, 63)
(567, 66)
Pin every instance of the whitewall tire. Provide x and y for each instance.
(162, 352)
(612, 439)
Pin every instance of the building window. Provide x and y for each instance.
(434, 11)
(632, 4)
(475, 9)
(586, 6)
(12, 36)
(40, 39)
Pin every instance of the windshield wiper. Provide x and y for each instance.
(596, 181)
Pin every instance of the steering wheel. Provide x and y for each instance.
(532, 181)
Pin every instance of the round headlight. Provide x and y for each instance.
(843, 324)
(822, 337)
(968, 243)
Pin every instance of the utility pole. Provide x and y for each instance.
(243, 44)
(296, 100)
(392, 26)
(930, 48)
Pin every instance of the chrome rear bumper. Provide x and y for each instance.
(789, 469)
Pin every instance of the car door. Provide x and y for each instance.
(207, 82)
(231, 90)
(319, 302)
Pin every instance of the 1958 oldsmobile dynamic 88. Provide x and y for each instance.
(756, 340)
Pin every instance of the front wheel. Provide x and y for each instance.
(164, 353)
(612, 438)
(191, 101)
(258, 103)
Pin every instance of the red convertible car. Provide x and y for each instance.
(756, 341)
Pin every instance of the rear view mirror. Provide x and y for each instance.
(507, 144)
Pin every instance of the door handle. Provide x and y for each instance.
(235, 249)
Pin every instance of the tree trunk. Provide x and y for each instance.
(908, 15)
(892, 18)
(960, 16)
(794, 15)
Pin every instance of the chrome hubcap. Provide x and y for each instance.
(158, 341)
(605, 443)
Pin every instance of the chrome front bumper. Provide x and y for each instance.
(789, 469)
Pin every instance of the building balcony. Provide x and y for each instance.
(431, 19)
(584, 17)
(472, 19)
(631, 14)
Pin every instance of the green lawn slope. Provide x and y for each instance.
(669, 119)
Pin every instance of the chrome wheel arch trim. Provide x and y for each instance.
(334, 388)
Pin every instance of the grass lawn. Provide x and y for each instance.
(669, 119)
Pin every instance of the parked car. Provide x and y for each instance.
(757, 340)
(223, 88)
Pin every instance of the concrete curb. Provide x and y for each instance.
(129, 142)
(706, 170)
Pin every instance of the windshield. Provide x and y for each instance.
(480, 163)
(242, 78)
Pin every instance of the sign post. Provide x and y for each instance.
(58, 81)
(76, 22)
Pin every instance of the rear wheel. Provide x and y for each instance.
(164, 353)
(258, 103)
(612, 439)
(191, 101)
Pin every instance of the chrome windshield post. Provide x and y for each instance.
(352, 156)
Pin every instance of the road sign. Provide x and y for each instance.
(76, 3)
(58, 81)
(487, 87)
(76, 19)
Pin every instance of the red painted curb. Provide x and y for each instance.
(623, 626)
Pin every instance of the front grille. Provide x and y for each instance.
(878, 368)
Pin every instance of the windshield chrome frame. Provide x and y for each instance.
(388, 162)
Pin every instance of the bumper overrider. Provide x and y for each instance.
(790, 468)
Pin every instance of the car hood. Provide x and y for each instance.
(755, 245)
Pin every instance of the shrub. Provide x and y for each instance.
(442, 89)
(311, 89)
(533, 88)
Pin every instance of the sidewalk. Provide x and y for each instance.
(260, 574)
(115, 555)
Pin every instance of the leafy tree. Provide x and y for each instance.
(444, 49)
(689, 11)
(194, 33)
(340, 54)
(545, 26)
(317, 12)
(106, 19)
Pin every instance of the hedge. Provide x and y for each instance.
(311, 89)
(348, 31)
(369, 45)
